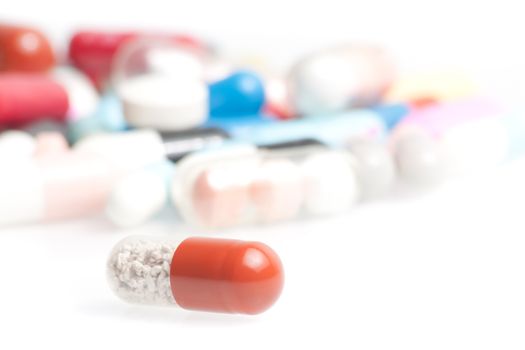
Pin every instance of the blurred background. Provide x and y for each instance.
(427, 268)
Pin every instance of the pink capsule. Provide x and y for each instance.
(26, 98)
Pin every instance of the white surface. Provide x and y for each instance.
(444, 270)
(438, 270)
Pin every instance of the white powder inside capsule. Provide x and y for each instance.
(139, 271)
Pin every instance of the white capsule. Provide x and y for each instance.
(136, 198)
(375, 167)
(16, 144)
(419, 158)
(136, 272)
(331, 183)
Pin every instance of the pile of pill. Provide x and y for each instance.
(131, 123)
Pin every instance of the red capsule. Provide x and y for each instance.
(93, 52)
(223, 275)
(24, 49)
(26, 98)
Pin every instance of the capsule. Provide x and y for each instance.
(277, 103)
(204, 274)
(336, 79)
(243, 184)
(93, 51)
(62, 95)
(437, 141)
(24, 49)
(241, 93)
(82, 96)
(140, 195)
(16, 144)
(375, 167)
(48, 99)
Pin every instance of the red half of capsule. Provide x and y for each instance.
(93, 52)
(25, 50)
(26, 98)
(223, 275)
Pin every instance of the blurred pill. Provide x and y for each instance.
(108, 117)
(277, 190)
(160, 86)
(136, 198)
(336, 79)
(220, 197)
(16, 144)
(50, 144)
(27, 98)
(277, 98)
(82, 95)
(93, 51)
(375, 167)
(418, 158)
(164, 103)
(331, 183)
(469, 136)
(24, 49)
(242, 93)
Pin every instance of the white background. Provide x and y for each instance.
(441, 269)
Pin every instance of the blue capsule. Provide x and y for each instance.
(242, 93)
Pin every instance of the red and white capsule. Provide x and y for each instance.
(27, 97)
(205, 274)
(93, 51)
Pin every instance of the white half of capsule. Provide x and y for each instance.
(331, 183)
(82, 95)
(16, 144)
(236, 164)
(375, 167)
(138, 270)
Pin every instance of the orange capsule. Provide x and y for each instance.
(206, 274)
(224, 275)
(24, 49)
